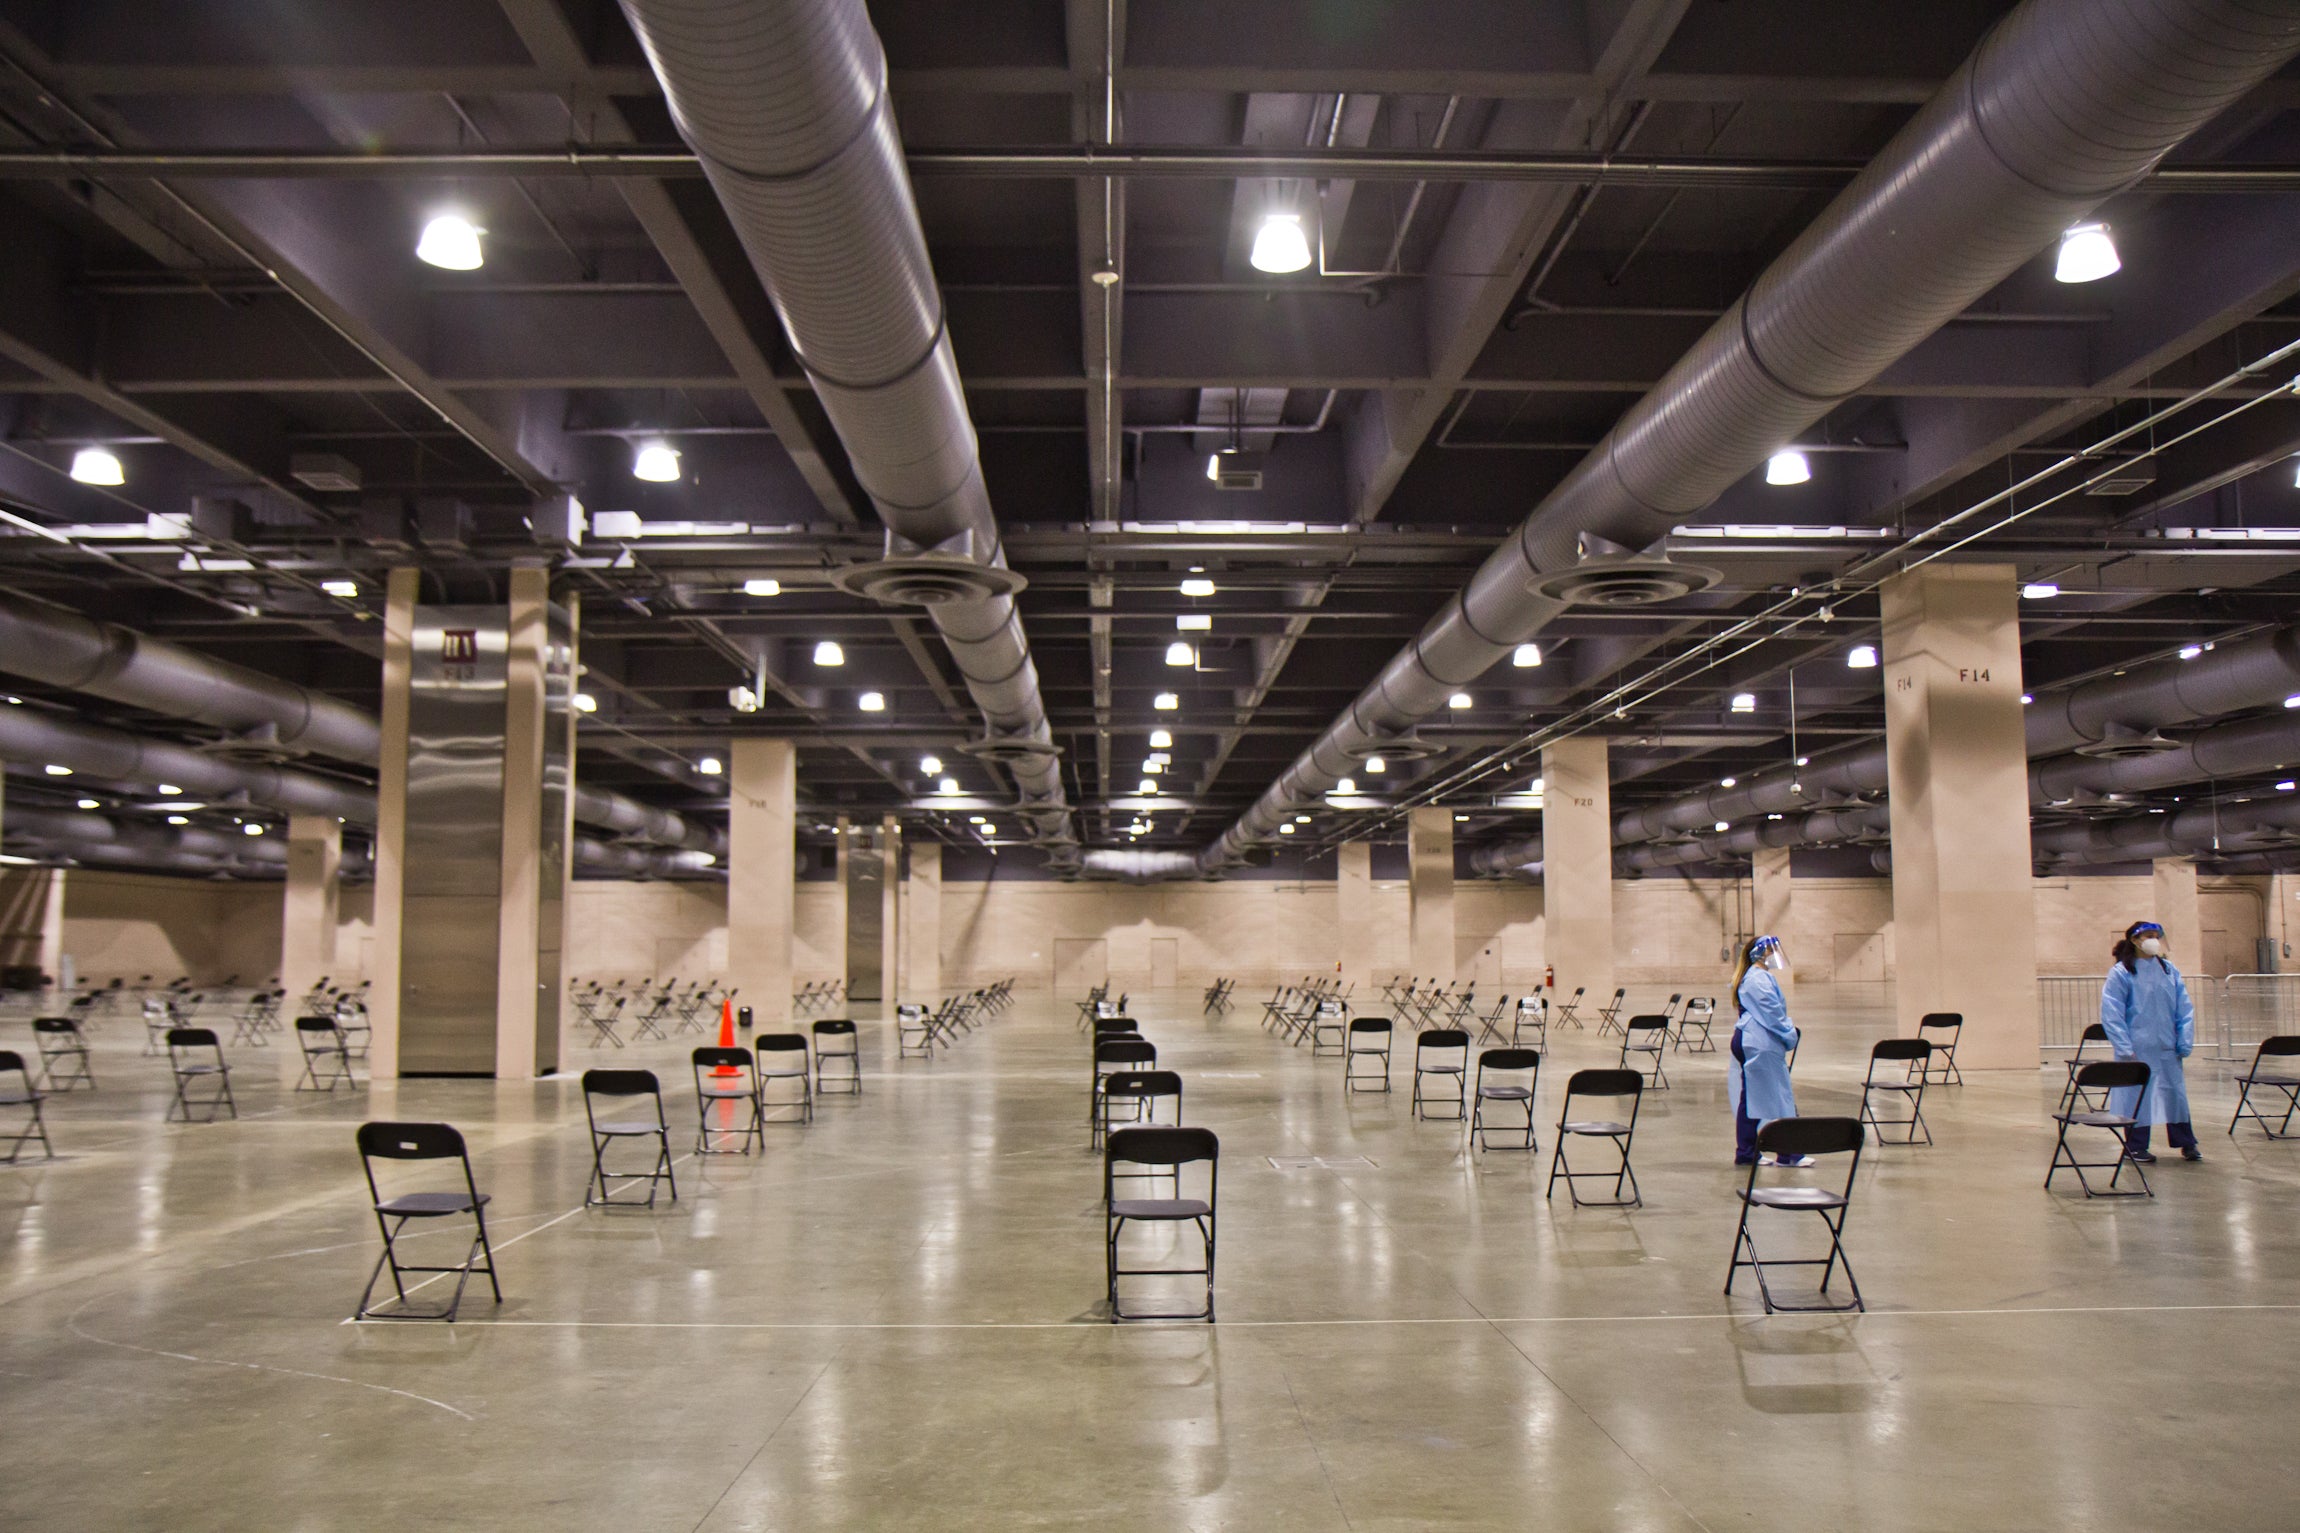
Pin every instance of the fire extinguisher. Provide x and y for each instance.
(1549, 976)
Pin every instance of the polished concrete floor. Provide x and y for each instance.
(892, 1319)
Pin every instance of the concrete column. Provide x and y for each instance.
(391, 824)
(2180, 913)
(842, 834)
(890, 912)
(1964, 906)
(762, 819)
(923, 927)
(308, 907)
(1429, 892)
(1354, 917)
(1577, 868)
(537, 828)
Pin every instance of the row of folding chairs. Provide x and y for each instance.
(1126, 1090)
(920, 1029)
(817, 995)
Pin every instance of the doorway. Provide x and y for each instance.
(1165, 962)
(2231, 930)
(1080, 963)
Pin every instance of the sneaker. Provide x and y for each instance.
(2143, 1156)
(1744, 1160)
(2191, 1152)
(1794, 1162)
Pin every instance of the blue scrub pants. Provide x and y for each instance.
(2180, 1136)
(1745, 1127)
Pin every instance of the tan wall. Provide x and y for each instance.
(679, 931)
(131, 924)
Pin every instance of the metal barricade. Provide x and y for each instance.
(2066, 1004)
(2250, 1007)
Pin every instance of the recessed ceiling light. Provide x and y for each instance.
(656, 462)
(1280, 245)
(1285, 830)
(1788, 466)
(1460, 700)
(1461, 819)
(169, 790)
(762, 588)
(872, 702)
(1376, 765)
(2191, 651)
(1197, 587)
(1301, 819)
(1862, 657)
(1179, 653)
(976, 819)
(1525, 656)
(586, 703)
(1194, 622)
(1166, 702)
(98, 465)
(1727, 782)
(930, 764)
(2039, 590)
(827, 652)
(54, 770)
(1536, 785)
(89, 803)
(450, 241)
(2087, 254)
(710, 766)
(1161, 739)
(1152, 767)
(251, 830)
(340, 587)
(177, 819)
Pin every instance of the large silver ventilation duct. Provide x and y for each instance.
(1743, 841)
(628, 817)
(1138, 867)
(104, 660)
(1506, 856)
(27, 734)
(2206, 830)
(785, 102)
(2063, 104)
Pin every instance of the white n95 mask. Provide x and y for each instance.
(2151, 947)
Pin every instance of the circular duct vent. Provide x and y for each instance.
(1610, 580)
(1406, 747)
(1013, 750)
(927, 580)
(2123, 743)
(260, 748)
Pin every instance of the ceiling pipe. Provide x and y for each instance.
(1137, 866)
(2202, 830)
(2063, 104)
(29, 735)
(786, 104)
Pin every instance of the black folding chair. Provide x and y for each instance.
(1329, 1028)
(1942, 1029)
(1489, 1025)
(1648, 1038)
(1141, 1091)
(27, 1096)
(776, 1064)
(913, 1032)
(1788, 1139)
(195, 1056)
(1505, 1094)
(1169, 1149)
(1609, 1015)
(1532, 1012)
(836, 1039)
(1693, 1027)
(2094, 1032)
(1566, 1014)
(2104, 1075)
(731, 1090)
(1111, 1055)
(1598, 1083)
(617, 1086)
(2281, 1046)
(1447, 1065)
(1369, 1039)
(326, 1055)
(63, 1047)
(421, 1141)
(1907, 1057)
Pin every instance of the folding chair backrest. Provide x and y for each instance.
(1125, 1051)
(1509, 1059)
(712, 1058)
(1161, 1146)
(1370, 1025)
(410, 1141)
(621, 1083)
(837, 1028)
(1654, 1022)
(1605, 1083)
(11, 1060)
(2094, 1032)
(2111, 1073)
(1941, 1020)
(1143, 1083)
(1902, 1048)
(2279, 1044)
(55, 1025)
(304, 1025)
(1441, 1038)
(193, 1038)
(1791, 1137)
(1115, 1025)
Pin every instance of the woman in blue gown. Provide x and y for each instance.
(1758, 1078)
(2146, 1011)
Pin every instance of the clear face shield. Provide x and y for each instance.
(2149, 937)
(1768, 955)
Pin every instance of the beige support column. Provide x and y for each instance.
(52, 925)
(890, 913)
(922, 927)
(1354, 917)
(531, 918)
(307, 918)
(842, 835)
(762, 817)
(1769, 897)
(1429, 892)
(1577, 868)
(2181, 914)
(391, 823)
(1964, 906)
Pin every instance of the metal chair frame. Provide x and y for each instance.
(1942, 1069)
(1132, 1053)
(1912, 1056)
(60, 1041)
(1654, 1026)
(616, 1085)
(1537, 1009)
(181, 1041)
(2101, 1074)
(1505, 1061)
(2094, 1032)
(1700, 1011)
(1609, 1015)
(1379, 1030)
(1329, 1027)
(421, 1141)
(2280, 1046)
(1598, 1083)
(1441, 1038)
(1568, 1013)
(334, 1054)
(1172, 1148)
(785, 1043)
(830, 1031)
(715, 1090)
(29, 1096)
(1787, 1139)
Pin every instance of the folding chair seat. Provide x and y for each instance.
(2102, 1075)
(1646, 1037)
(1164, 1150)
(1693, 1027)
(1906, 1061)
(617, 1086)
(1504, 1095)
(1110, 1055)
(196, 1057)
(421, 1141)
(1368, 1039)
(2283, 1046)
(1609, 1015)
(1567, 1013)
(1441, 1059)
(1787, 1139)
(836, 1039)
(2094, 1033)
(1941, 1029)
(326, 1055)
(775, 1063)
(26, 1097)
(1621, 1132)
(731, 1090)
(64, 1060)
(1532, 1014)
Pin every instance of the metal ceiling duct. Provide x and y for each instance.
(2062, 105)
(63, 649)
(630, 818)
(84, 833)
(1798, 830)
(785, 102)
(2204, 830)
(29, 735)
(1137, 866)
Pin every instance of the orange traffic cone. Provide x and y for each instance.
(726, 1035)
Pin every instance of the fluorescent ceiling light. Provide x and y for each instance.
(1161, 739)
(1179, 653)
(2286, 786)
(976, 819)
(177, 819)
(1280, 246)
(1744, 702)
(450, 241)
(2290, 702)
(586, 703)
(2087, 254)
(656, 462)
(1198, 587)
(762, 588)
(1722, 825)
(1194, 622)
(340, 587)
(2039, 590)
(1376, 765)
(872, 702)
(2191, 651)
(65, 771)
(1166, 702)
(1727, 782)
(1862, 658)
(711, 766)
(1537, 785)
(1460, 700)
(930, 764)
(97, 465)
(1301, 819)
(828, 652)
(1525, 656)
(1788, 466)
(1461, 819)
(169, 790)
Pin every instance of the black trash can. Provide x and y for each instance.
(743, 1018)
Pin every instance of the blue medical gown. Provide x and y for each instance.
(2149, 1017)
(1766, 1035)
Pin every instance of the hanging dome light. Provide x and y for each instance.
(1787, 466)
(98, 465)
(451, 241)
(1280, 245)
(2087, 254)
(657, 463)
